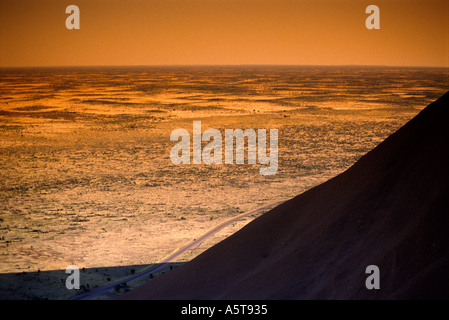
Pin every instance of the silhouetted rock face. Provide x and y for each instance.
(390, 209)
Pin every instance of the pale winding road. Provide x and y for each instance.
(171, 258)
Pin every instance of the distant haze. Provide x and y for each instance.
(172, 32)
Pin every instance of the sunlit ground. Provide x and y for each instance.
(86, 176)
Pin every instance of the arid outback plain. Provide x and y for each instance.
(388, 211)
(86, 177)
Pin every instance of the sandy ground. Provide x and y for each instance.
(92, 194)
(86, 178)
(389, 210)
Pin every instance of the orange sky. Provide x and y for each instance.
(155, 32)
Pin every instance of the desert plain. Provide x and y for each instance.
(86, 177)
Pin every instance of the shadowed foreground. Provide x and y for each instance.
(390, 209)
(95, 283)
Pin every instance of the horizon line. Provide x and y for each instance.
(221, 65)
